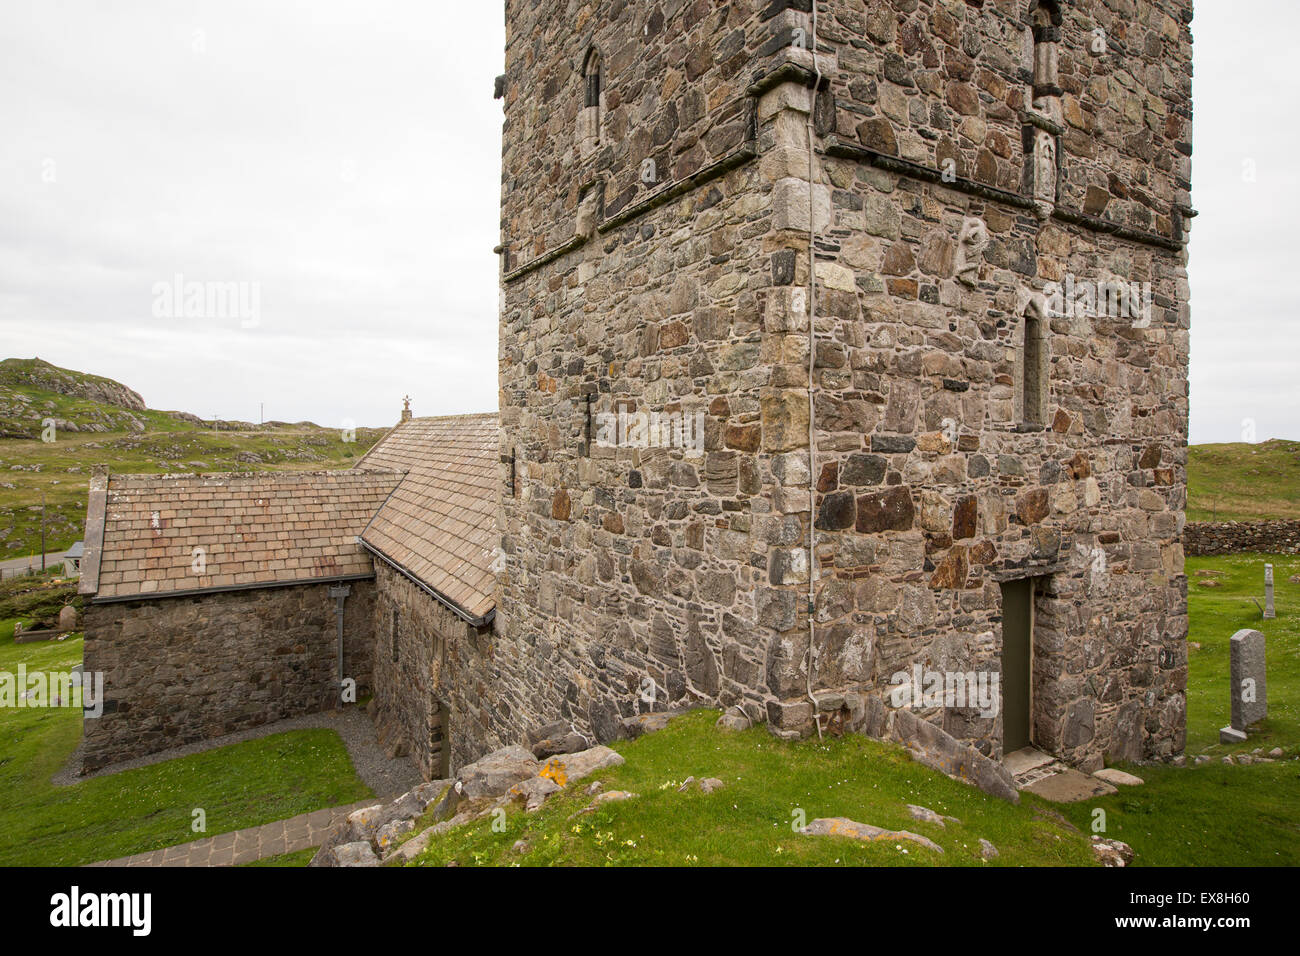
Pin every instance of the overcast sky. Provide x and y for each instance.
(340, 161)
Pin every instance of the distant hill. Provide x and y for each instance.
(99, 421)
(1243, 482)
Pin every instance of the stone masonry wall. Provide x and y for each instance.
(437, 689)
(1233, 537)
(630, 568)
(218, 663)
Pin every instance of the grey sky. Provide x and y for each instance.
(345, 156)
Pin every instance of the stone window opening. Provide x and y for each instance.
(592, 102)
(1032, 381)
(1045, 17)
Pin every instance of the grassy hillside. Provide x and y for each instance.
(99, 421)
(1241, 482)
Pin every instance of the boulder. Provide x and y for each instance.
(559, 737)
(610, 796)
(387, 836)
(493, 775)
(707, 785)
(358, 853)
(648, 723)
(844, 827)
(939, 750)
(390, 819)
(987, 850)
(569, 768)
(926, 815)
(533, 792)
(734, 719)
(1111, 853)
(1118, 777)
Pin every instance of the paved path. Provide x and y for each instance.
(387, 777)
(245, 846)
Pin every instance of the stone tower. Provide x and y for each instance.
(956, 444)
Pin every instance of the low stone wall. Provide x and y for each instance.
(184, 669)
(1230, 537)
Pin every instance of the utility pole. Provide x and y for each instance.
(42, 531)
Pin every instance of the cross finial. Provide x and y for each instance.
(406, 402)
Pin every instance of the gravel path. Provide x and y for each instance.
(387, 777)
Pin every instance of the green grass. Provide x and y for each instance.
(1217, 814)
(750, 821)
(1243, 482)
(1212, 815)
(148, 808)
(1209, 815)
(1217, 614)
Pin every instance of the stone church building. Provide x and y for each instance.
(839, 350)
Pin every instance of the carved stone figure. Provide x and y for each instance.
(1044, 173)
(971, 243)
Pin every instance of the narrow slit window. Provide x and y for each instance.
(589, 115)
(591, 81)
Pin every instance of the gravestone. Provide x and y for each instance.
(68, 618)
(1249, 693)
(1269, 612)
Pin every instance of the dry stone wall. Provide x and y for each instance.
(185, 669)
(1233, 537)
(966, 434)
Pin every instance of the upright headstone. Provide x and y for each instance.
(68, 618)
(1269, 612)
(1249, 692)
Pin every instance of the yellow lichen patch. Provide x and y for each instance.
(555, 770)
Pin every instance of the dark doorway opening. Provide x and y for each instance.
(1017, 664)
(439, 741)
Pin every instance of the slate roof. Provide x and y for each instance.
(439, 525)
(258, 529)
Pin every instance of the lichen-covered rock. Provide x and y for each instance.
(570, 768)
(1111, 853)
(358, 853)
(495, 773)
(844, 827)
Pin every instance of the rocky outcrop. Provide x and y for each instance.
(50, 378)
(505, 777)
(940, 751)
